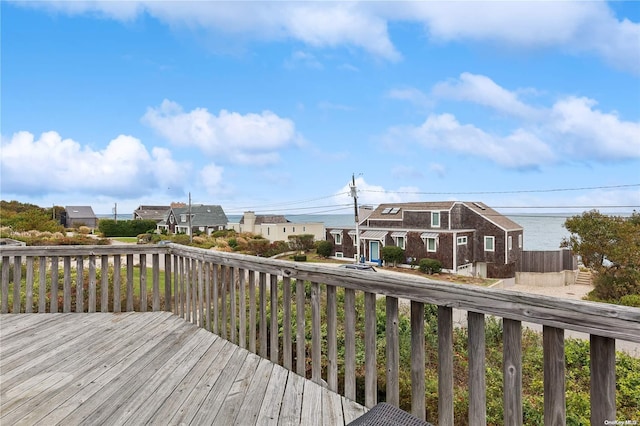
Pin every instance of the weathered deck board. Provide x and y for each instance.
(146, 368)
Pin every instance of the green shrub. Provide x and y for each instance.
(393, 254)
(300, 258)
(126, 228)
(324, 248)
(430, 266)
(631, 300)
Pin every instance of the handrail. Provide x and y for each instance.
(212, 289)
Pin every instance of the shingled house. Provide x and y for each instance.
(76, 216)
(467, 237)
(157, 213)
(205, 219)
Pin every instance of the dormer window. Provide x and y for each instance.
(435, 219)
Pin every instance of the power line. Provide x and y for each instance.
(526, 191)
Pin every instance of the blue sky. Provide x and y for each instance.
(273, 106)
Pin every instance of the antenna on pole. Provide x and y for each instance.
(354, 194)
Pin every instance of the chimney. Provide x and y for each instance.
(249, 221)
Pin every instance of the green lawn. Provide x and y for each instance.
(126, 239)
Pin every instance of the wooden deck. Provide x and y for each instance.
(147, 368)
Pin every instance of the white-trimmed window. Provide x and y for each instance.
(339, 254)
(432, 244)
(400, 242)
(183, 218)
(510, 242)
(435, 219)
(338, 238)
(489, 243)
(519, 240)
(462, 240)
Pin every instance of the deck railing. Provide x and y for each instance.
(231, 294)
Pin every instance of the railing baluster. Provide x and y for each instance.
(42, 285)
(168, 306)
(143, 282)
(445, 366)
(187, 286)
(286, 324)
(176, 285)
(79, 284)
(301, 361)
(180, 291)
(54, 284)
(5, 285)
(29, 279)
(332, 342)
(603, 379)
(194, 292)
(129, 282)
(370, 361)
(274, 318)
(66, 286)
(316, 372)
(477, 370)
(242, 332)
(512, 371)
(350, 344)
(252, 311)
(17, 283)
(155, 261)
(263, 314)
(117, 305)
(393, 352)
(201, 295)
(207, 295)
(104, 290)
(223, 301)
(92, 283)
(417, 360)
(216, 299)
(233, 305)
(554, 377)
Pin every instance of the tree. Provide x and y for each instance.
(324, 248)
(392, 254)
(610, 246)
(302, 242)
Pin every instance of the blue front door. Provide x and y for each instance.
(374, 251)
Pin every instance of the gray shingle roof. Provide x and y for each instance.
(76, 212)
(203, 215)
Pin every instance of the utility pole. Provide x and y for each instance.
(354, 194)
(190, 228)
(115, 212)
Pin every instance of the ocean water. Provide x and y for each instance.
(541, 231)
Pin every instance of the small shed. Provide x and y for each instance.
(76, 216)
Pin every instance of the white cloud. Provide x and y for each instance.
(124, 168)
(575, 27)
(247, 139)
(484, 91)
(211, 179)
(589, 133)
(410, 94)
(376, 194)
(569, 129)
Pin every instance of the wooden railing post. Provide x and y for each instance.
(445, 366)
(370, 353)
(104, 283)
(512, 371)
(168, 306)
(242, 332)
(603, 379)
(29, 278)
(92, 284)
(350, 344)
(54, 284)
(301, 362)
(417, 360)
(554, 377)
(393, 352)
(286, 323)
(17, 283)
(66, 286)
(5, 285)
(129, 282)
(262, 295)
(117, 305)
(477, 370)
(273, 293)
(252, 311)
(332, 343)
(316, 353)
(155, 259)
